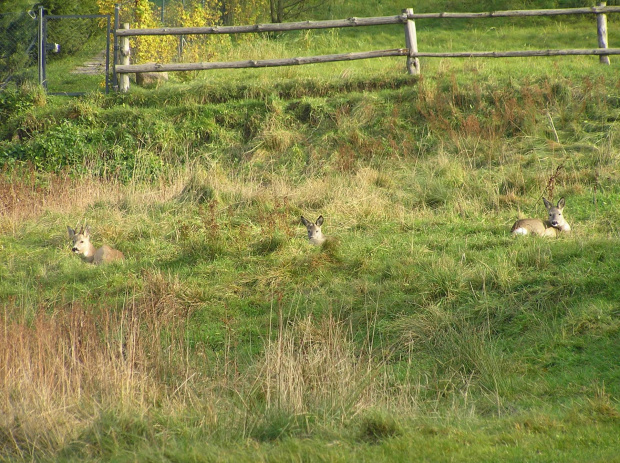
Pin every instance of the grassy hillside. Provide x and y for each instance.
(422, 330)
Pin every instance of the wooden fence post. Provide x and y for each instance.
(411, 40)
(601, 30)
(41, 47)
(125, 53)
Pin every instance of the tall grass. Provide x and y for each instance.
(70, 366)
(66, 363)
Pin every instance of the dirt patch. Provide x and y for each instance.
(96, 65)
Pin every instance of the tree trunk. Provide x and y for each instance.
(226, 12)
(276, 8)
(272, 10)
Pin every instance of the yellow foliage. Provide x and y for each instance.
(106, 6)
(143, 14)
(197, 48)
(249, 11)
(150, 48)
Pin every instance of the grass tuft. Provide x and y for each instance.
(376, 427)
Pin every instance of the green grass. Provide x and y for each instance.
(422, 331)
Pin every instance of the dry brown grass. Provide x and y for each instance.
(312, 363)
(70, 360)
(26, 195)
(69, 363)
(309, 364)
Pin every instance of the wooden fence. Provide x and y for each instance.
(407, 18)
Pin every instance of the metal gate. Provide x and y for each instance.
(60, 35)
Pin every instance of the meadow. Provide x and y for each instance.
(421, 331)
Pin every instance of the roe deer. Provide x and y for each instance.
(82, 245)
(315, 235)
(552, 227)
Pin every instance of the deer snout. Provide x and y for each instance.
(74, 249)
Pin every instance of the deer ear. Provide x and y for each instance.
(319, 221)
(71, 231)
(304, 221)
(548, 205)
(561, 203)
(87, 230)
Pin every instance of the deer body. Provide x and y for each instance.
(315, 235)
(552, 227)
(83, 246)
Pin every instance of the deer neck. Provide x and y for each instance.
(89, 253)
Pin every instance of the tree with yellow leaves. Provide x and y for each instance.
(194, 13)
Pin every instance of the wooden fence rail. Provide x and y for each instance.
(357, 22)
(407, 18)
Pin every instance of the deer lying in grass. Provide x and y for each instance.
(82, 245)
(315, 235)
(552, 227)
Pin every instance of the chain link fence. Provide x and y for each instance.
(18, 47)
